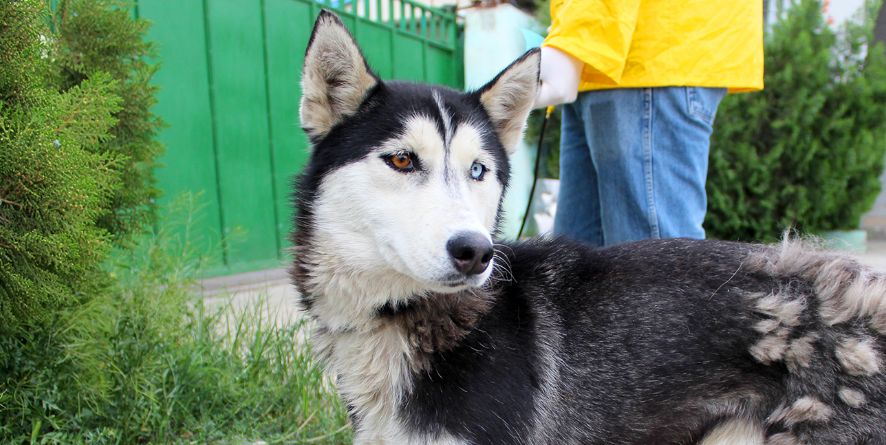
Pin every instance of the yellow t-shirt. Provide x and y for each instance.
(650, 43)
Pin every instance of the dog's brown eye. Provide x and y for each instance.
(402, 161)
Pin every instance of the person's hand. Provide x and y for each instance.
(559, 77)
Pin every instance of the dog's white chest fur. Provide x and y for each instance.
(372, 372)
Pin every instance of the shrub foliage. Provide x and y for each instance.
(78, 149)
(53, 188)
(98, 352)
(98, 37)
(147, 363)
(807, 152)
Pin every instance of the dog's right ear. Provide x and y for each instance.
(509, 96)
(335, 77)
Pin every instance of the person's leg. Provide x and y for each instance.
(578, 209)
(619, 128)
(682, 123)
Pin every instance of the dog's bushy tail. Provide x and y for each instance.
(825, 322)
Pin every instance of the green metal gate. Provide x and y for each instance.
(229, 93)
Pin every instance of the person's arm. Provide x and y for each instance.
(591, 35)
(559, 77)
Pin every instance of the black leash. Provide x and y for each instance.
(541, 136)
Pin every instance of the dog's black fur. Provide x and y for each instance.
(642, 335)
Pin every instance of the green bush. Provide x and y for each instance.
(97, 37)
(52, 188)
(78, 149)
(807, 152)
(21, 69)
(147, 362)
(93, 351)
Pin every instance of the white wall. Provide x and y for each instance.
(492, 41)
(842, 10)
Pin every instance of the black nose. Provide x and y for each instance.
(470, 252)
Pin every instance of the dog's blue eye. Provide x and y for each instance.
(477, 171)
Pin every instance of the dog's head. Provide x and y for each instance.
(405, 181)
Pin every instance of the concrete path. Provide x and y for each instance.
(280, 296)
(242, 291)
(875, 256)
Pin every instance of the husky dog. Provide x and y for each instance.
(438, 335)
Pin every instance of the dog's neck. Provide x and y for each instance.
(375, 341)
(342, 297)
(436, 323)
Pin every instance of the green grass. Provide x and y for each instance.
(147, 362)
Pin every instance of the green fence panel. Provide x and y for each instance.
(380, 52)
(409, 58)
(287, 28)
(229, 93)
(438, 66)
(183, 102)
(240, 110)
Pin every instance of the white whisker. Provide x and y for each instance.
(501, 266)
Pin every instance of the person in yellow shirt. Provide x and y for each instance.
(642, 80)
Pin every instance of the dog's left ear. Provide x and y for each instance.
(335, 77)
(508, 98)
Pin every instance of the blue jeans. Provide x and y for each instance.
(633, 164)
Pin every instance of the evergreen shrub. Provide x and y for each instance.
(807, 152)
(53, 188)
(97, 37)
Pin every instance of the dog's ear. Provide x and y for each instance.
(508, 98)
(335, 77)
